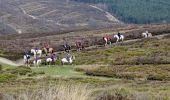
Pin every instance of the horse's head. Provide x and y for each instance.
(32, 50)
(115, 36)
(44, 50)
(144, 35)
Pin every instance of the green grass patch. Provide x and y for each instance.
(21, 70)
(58, 70)
(7, 77)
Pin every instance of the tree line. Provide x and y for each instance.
(137, 11)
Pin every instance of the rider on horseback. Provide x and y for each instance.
(46, 45)
(27, 54)
(66, 46)
(53, 56)
(119, 35)
(79, 44)
(147, 33)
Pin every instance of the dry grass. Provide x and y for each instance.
(76, 90)
(59, 92)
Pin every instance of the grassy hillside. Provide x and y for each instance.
(148, 59)
(148, 51)
(137, 70)
(136, 11)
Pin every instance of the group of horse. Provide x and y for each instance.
(120, 38)
(51, 57)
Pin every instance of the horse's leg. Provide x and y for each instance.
(121, 39)
(117, 40)
(48, 64)
(105, 43)
(110, 43)
(62, 63)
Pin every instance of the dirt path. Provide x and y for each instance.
(95, 47)
(9, 62)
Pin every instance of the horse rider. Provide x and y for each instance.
(147, 33)
(53, 56)
(27, 54)
(66, 47)
(119, 35)
(78, 43)
(47, 46)
(36, 50)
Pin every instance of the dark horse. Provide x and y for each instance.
(67, 48)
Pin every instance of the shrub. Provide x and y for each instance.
(7, 77)
(115, 94)
(36, 73)
(150, 72)
(158, 77)
(21, 70)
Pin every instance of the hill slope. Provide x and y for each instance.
(29, 16)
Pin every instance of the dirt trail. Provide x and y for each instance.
(126, 42)
(9, 62)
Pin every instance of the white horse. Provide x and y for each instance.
(69, 60)
(50, 60)
(118, 39)
(27, 59)
(146, 34)
(37, 62)
(36, 52)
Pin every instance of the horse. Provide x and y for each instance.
(37, 62)
(49, 61)
(67, 48)
(48, 50)
(52, 59)
(146, 34)
(67, 60)
(107, 40)
(119, 38)
(79, 46)
(36, 52)
(27, 59)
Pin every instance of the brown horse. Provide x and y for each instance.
(107, 39)
(48, 50)
(79, 45)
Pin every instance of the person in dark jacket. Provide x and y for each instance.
(119, 35)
